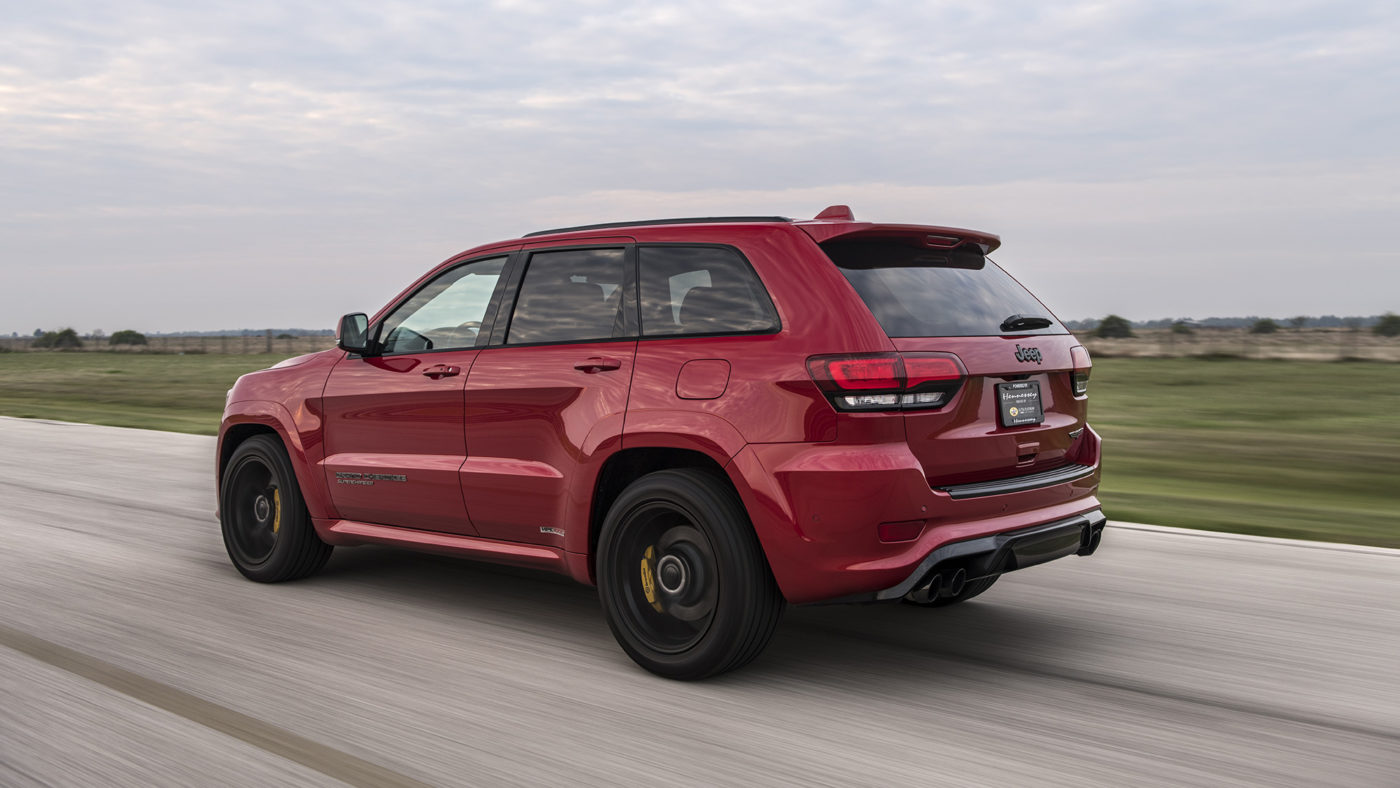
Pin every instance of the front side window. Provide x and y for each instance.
(701, 290)
(571, 295)
(446, 313)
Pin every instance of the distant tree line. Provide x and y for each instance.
(128, 337)
(62, 339)
(279, 333)
(1375, 322)
(1109, 327)
(68, 339)
(245, 341)
(1114, 327)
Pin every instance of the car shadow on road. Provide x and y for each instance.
(903, 643)
(884, 642)
(452, 586)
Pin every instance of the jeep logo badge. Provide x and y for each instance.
(1025, 354)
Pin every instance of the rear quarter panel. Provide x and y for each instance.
(769, 396)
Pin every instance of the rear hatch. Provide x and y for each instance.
(1016, 412)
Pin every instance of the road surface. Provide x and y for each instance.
(132, 653)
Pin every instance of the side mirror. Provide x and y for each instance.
(353, 334)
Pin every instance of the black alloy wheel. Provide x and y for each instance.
(684, 584)
(671, 597)
(267, 530)
(255, 515)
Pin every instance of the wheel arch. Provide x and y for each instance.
(626, 466)
(252, 418)
(234, 437)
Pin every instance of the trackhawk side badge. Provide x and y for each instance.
(1028, 354)
(367, 479)
(546, 529)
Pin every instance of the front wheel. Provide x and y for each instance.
(266, 527)
(682, 578)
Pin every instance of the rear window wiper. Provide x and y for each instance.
(1024, 323)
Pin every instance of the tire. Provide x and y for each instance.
(267, 530)
(683, 581)
(970, 590)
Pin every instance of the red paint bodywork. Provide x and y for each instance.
(505, 457)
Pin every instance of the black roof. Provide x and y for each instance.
(644, 222)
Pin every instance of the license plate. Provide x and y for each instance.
(1019, 403)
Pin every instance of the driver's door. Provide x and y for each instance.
(394, 421)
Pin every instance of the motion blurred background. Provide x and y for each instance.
(1222, 176)
(1207, 193)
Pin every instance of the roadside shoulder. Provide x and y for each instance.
(1233, 537)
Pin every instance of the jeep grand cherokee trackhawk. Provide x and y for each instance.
(706, 418)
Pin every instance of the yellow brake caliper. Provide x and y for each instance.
(276, 509)
(649, 579)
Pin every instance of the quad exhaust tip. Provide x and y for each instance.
(927, 592)
(954, 586)
(947, 570)
(939, 586)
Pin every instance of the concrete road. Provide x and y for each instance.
(131, 653)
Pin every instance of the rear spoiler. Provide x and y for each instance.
(838, 222)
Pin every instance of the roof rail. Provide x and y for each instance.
(646, 222)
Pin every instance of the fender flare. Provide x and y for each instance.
(706, 434)
(307, 468)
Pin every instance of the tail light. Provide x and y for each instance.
(888, 381)
(1079, 378)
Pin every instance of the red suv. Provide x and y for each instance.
(706, 418)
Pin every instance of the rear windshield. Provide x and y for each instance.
(918, 292)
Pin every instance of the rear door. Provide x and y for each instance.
(547, 405)
(395, 422)
(1016, 412)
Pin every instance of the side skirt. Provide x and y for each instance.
(551, 559)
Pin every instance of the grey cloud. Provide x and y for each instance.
(359, 142)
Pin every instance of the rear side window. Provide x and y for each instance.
(571, 295)
(919, 292)
(701, 290)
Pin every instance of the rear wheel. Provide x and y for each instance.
(683, 581)
(267, 530)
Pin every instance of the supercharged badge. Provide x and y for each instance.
(367, 479)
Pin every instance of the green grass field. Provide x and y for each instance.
(1282, 448)
(1301, 449)
(149, 390)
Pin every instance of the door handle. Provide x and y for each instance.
(439, 371)
(598, 364)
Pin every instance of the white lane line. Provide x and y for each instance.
(1340, 547)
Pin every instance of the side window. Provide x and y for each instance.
(701, 290)
(446, 313)
(569, 296)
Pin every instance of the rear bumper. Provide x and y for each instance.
(1032, 481)
(1001, 553)
(817, 510)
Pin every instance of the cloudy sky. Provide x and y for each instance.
(189, 166)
